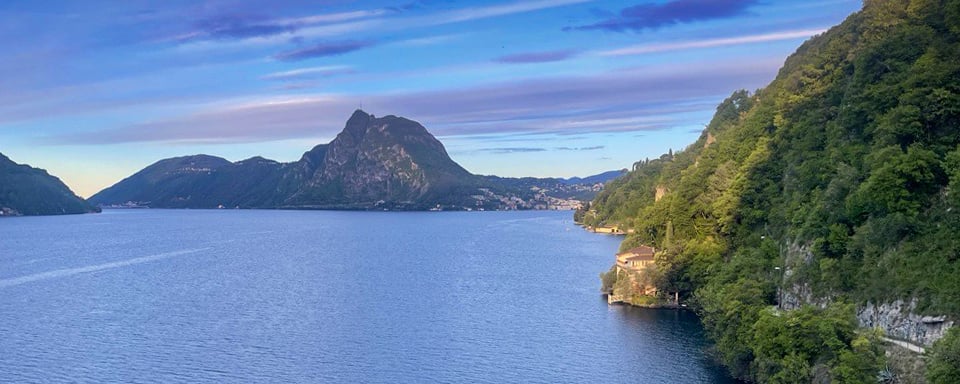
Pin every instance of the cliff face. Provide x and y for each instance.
(900, 320)
(29, 191)
(897, 318)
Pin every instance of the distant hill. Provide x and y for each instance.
(598, 178)
(30, 191)
(374, 163)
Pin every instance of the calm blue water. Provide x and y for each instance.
(311, 296)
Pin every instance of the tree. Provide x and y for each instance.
(943, 364)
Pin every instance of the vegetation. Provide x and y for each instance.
(842, 171)
(632, 285)
(943, 365)
(30, 191)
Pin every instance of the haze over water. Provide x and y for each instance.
(311, 296)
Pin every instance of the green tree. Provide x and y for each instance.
(943, 359)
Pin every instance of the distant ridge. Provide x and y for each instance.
(390, 163)
(598, 178)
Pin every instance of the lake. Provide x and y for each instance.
(320, 296)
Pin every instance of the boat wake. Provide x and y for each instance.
(93, 268)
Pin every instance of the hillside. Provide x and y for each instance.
(29, 191)
(604, 177)
(829, 193)
(374, 163)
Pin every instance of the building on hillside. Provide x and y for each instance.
(636, 258)
(614, 230)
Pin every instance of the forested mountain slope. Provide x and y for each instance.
(25, 190)
(838, 182)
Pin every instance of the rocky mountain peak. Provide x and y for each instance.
(356, 127)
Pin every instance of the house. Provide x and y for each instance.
(636, 258)
(613, 230)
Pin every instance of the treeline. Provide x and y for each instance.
(842, 171)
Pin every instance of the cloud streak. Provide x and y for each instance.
(475, 13)
(711, 43)
(651, 16)
(633, 99)
(243, 30)
(323, 49)
(233, 26)
(232, 122)
(536, 57)
(593, 148)
(508, 150)
(309, 73)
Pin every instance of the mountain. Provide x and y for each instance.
(374, 163)
(594, 179)
(389, 159)
(200, 181)
(824, 202)
(30, 191)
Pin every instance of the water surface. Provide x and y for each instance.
(312, 296)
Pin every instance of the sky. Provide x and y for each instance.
(93, 91)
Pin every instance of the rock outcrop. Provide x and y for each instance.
(899, 320)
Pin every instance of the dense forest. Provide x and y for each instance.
(841, 176)
(25, 190)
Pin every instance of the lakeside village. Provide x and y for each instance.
(542, 198)
(561, 197)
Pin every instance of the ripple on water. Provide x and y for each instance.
(281, 296)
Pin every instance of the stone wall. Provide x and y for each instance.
(898, 320)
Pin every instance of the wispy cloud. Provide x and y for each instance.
(238, 27)
(638, 99)
(711, 43)
(655, 15)
(247, 30)
(536, 57)
(323, 49)
(506, 150)
(256, 120)
(309, 73)
(593, 148)
(333, 17)
(475, 13)
(429, 40)
(229, 26)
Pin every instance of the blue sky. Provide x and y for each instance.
(94, 90)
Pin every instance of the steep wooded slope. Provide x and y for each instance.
(836, 182)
